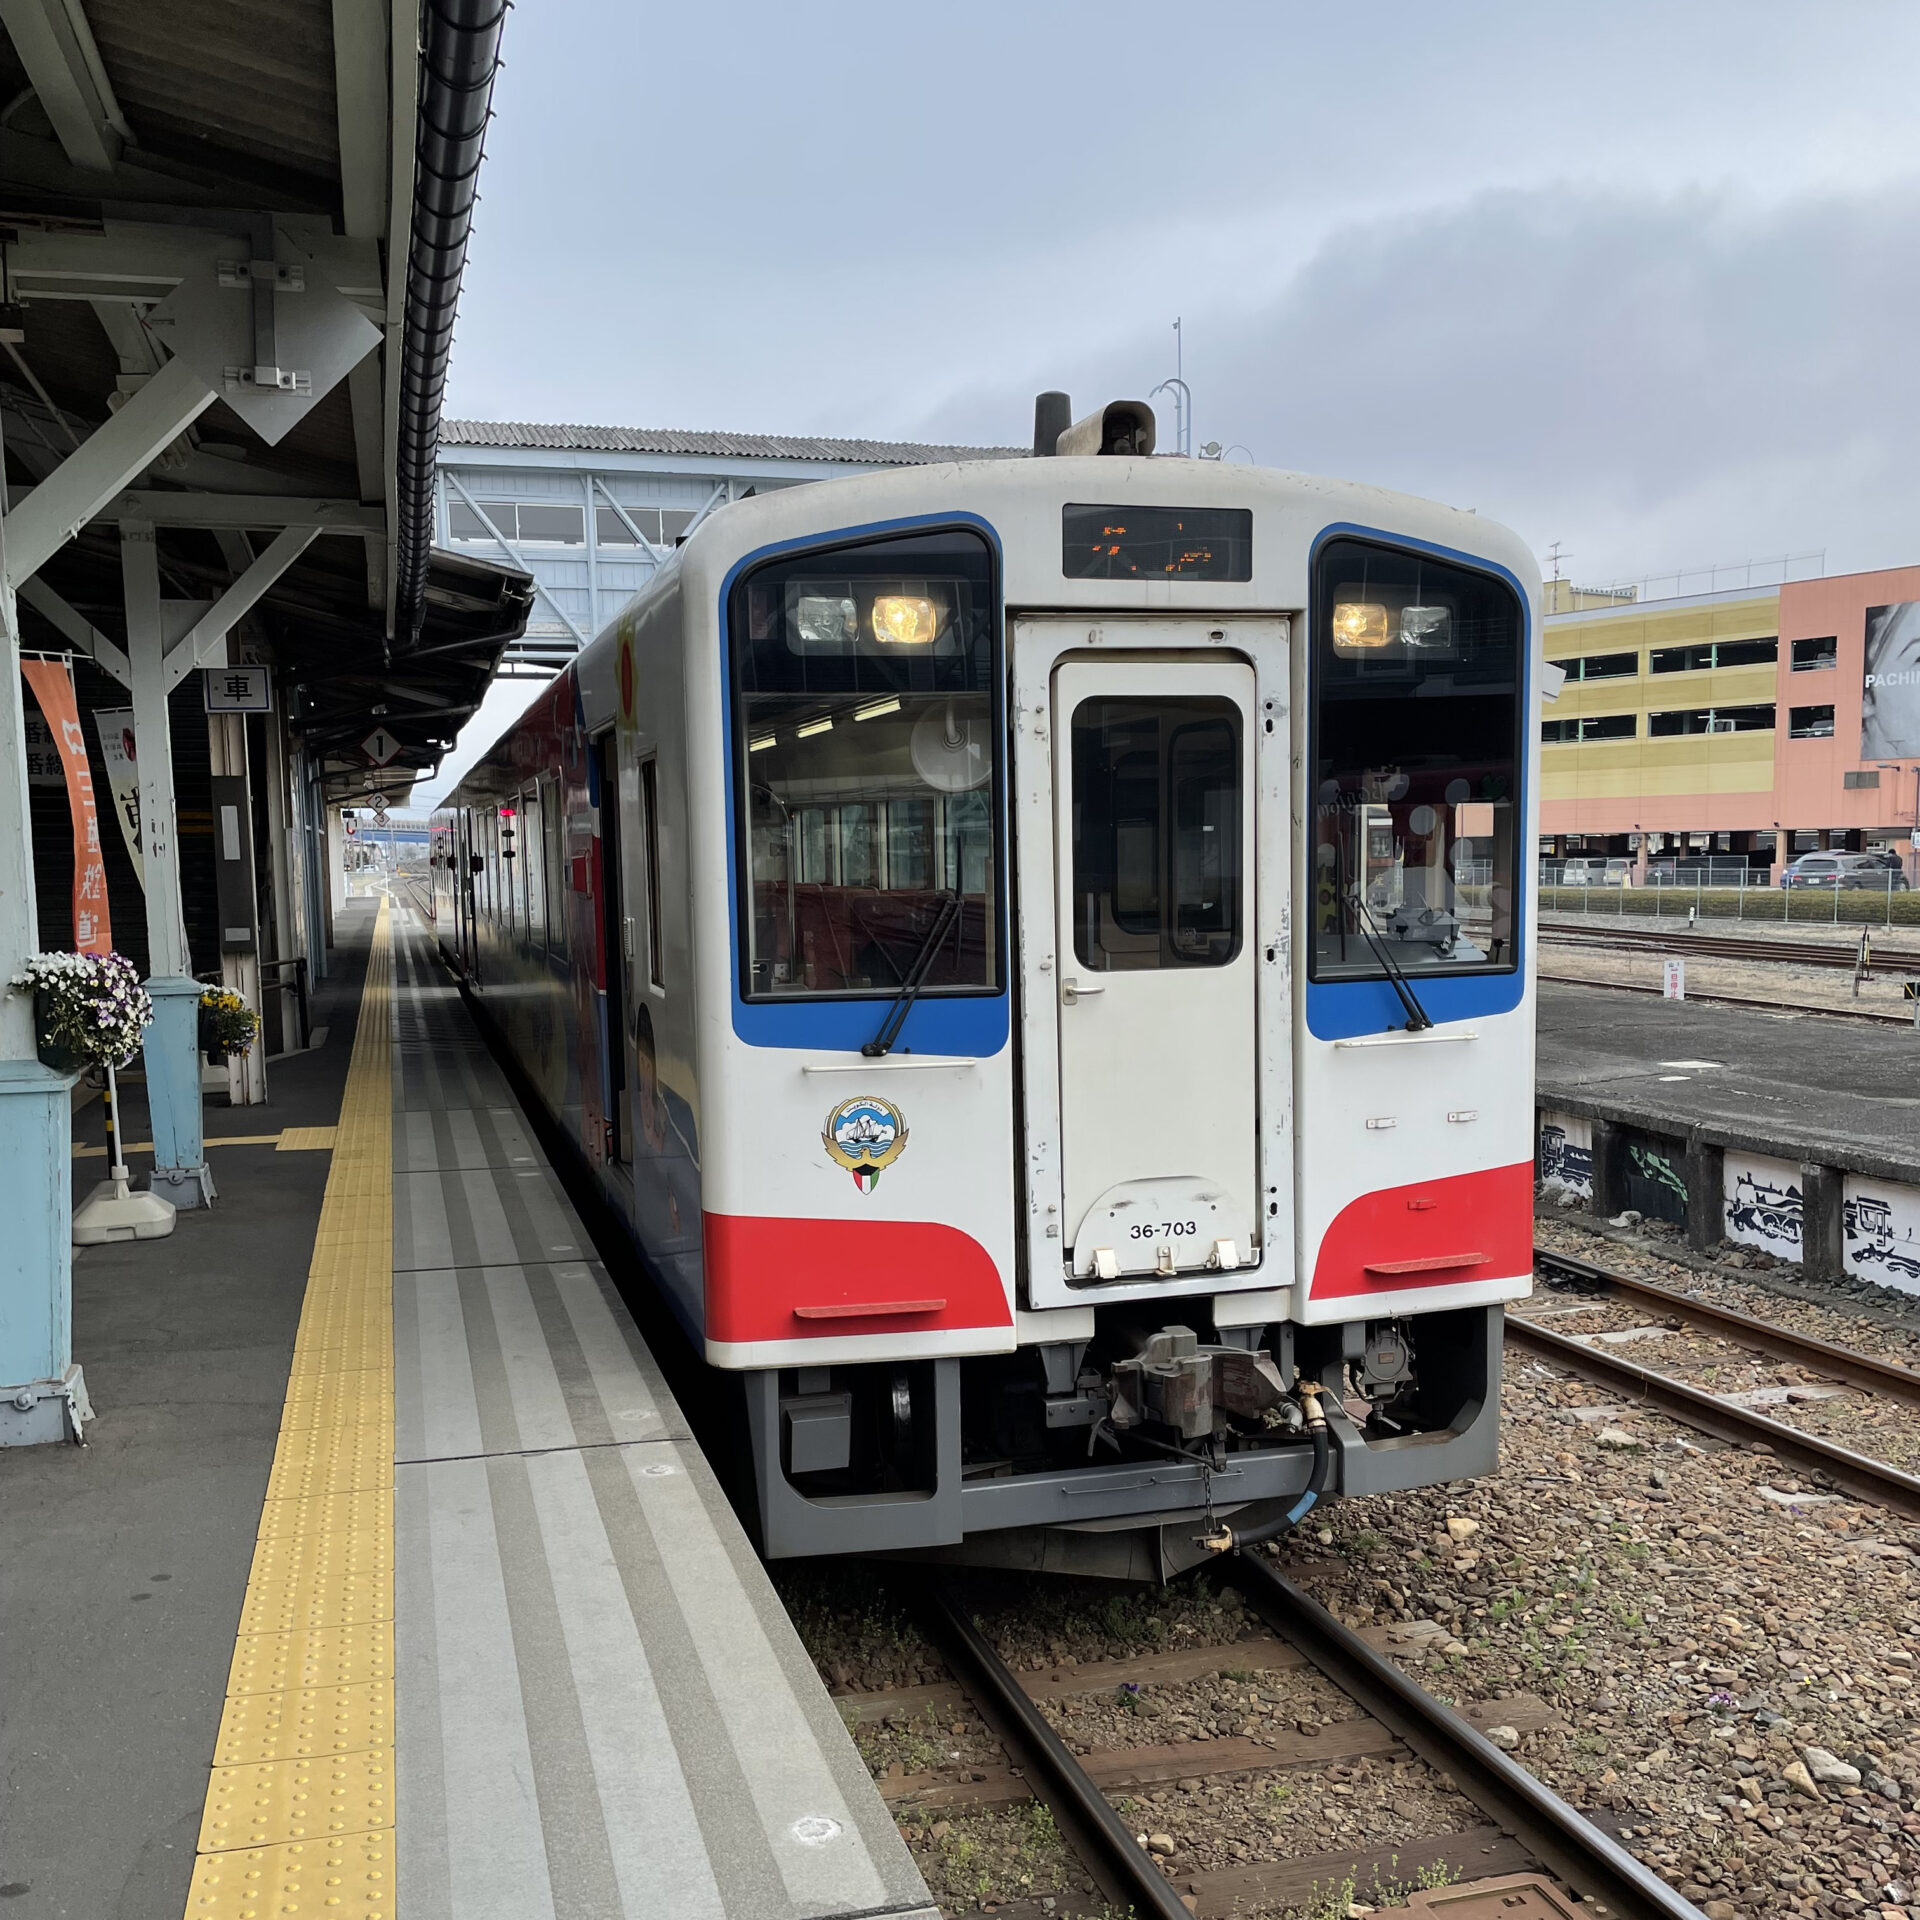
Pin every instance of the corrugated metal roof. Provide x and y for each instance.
(749, 446)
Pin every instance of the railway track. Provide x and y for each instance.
(1859, 1474)
(1737, 1000)
(1805, 953)
(1525, 1825)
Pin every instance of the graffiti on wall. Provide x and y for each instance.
(1656, 1179)
(1883, 1233)
(1565, 1158)
(1762, 1204)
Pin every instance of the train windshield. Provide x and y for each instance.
(1416, 756)
(865, 743)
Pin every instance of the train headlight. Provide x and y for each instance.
(905, 619)
(1360, 626)
(1427, 629)
(824, 620)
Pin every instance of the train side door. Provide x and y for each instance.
(1154, 808)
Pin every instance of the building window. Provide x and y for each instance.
(1595, 726)
(517, 520)
(1601, 666)
(1811, 655)
(661, 526)
(1870, 777)
(1711, 720)
(552, 526)
(1809, 723)
(1716, 653)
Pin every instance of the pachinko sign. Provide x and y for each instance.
(52, 682)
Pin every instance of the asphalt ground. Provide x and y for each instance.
(126, 1560)
(1792, 1084)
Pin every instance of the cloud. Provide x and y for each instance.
(1655, 380)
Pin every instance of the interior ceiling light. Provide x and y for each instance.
(812, 727)
(876, 709)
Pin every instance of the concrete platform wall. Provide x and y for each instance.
(1799, 1203)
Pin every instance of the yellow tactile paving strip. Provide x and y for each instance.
(299, 1814)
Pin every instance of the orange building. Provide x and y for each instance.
(1741, 727)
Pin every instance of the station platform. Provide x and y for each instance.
(441, 1611)
(1796, 1086)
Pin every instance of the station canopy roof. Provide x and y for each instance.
(157, 166)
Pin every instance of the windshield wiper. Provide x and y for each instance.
(916, 978)
(1417, 1017)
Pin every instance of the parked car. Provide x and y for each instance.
(1598, 873)
(1843, 870)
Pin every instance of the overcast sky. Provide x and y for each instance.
(1640, 279)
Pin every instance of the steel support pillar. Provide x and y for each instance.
(246, 1073)
(180, 1171)
(42, 1396)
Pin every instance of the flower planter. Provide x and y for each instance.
(52, 1053)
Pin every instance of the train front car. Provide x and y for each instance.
(1115, 1053)
(1039, 952)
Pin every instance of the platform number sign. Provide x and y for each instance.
(379, 746)
(236, 689)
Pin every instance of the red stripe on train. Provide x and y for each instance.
(1430, 1234)
(774, 1279)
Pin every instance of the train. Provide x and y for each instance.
(1037, 955)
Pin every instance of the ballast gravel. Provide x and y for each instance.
(1724, 1644)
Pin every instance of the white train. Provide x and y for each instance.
(1039, 952)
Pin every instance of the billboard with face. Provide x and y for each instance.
(1890, 705)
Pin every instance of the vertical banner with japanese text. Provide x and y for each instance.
(119, 755)
(51, 679)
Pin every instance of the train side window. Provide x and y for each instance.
(866, 688)
(650, 847)
(533, 865)
(553, 846)
(1158, 876)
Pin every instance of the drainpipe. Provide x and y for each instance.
(459, 56)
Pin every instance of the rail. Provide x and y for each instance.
(1717, 999)
(1084, 1815)
(1858, 1473)
(1555, 1835)
(1862, 1370)
(1802, 953)
(1597, 1867)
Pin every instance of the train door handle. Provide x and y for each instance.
(1072, 989)
(626, 937)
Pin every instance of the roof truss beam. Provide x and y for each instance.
(56, 47)
(208, 634)
(77, 490)
(214, 511)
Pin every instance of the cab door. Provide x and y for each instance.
(1157, 964)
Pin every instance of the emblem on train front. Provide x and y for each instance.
(866, 1136)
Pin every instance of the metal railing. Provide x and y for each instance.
(297, 987)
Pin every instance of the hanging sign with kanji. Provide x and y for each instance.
(52, 682)
(236, 690)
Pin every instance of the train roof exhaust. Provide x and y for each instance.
(1121, 426)
(1052, 416)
